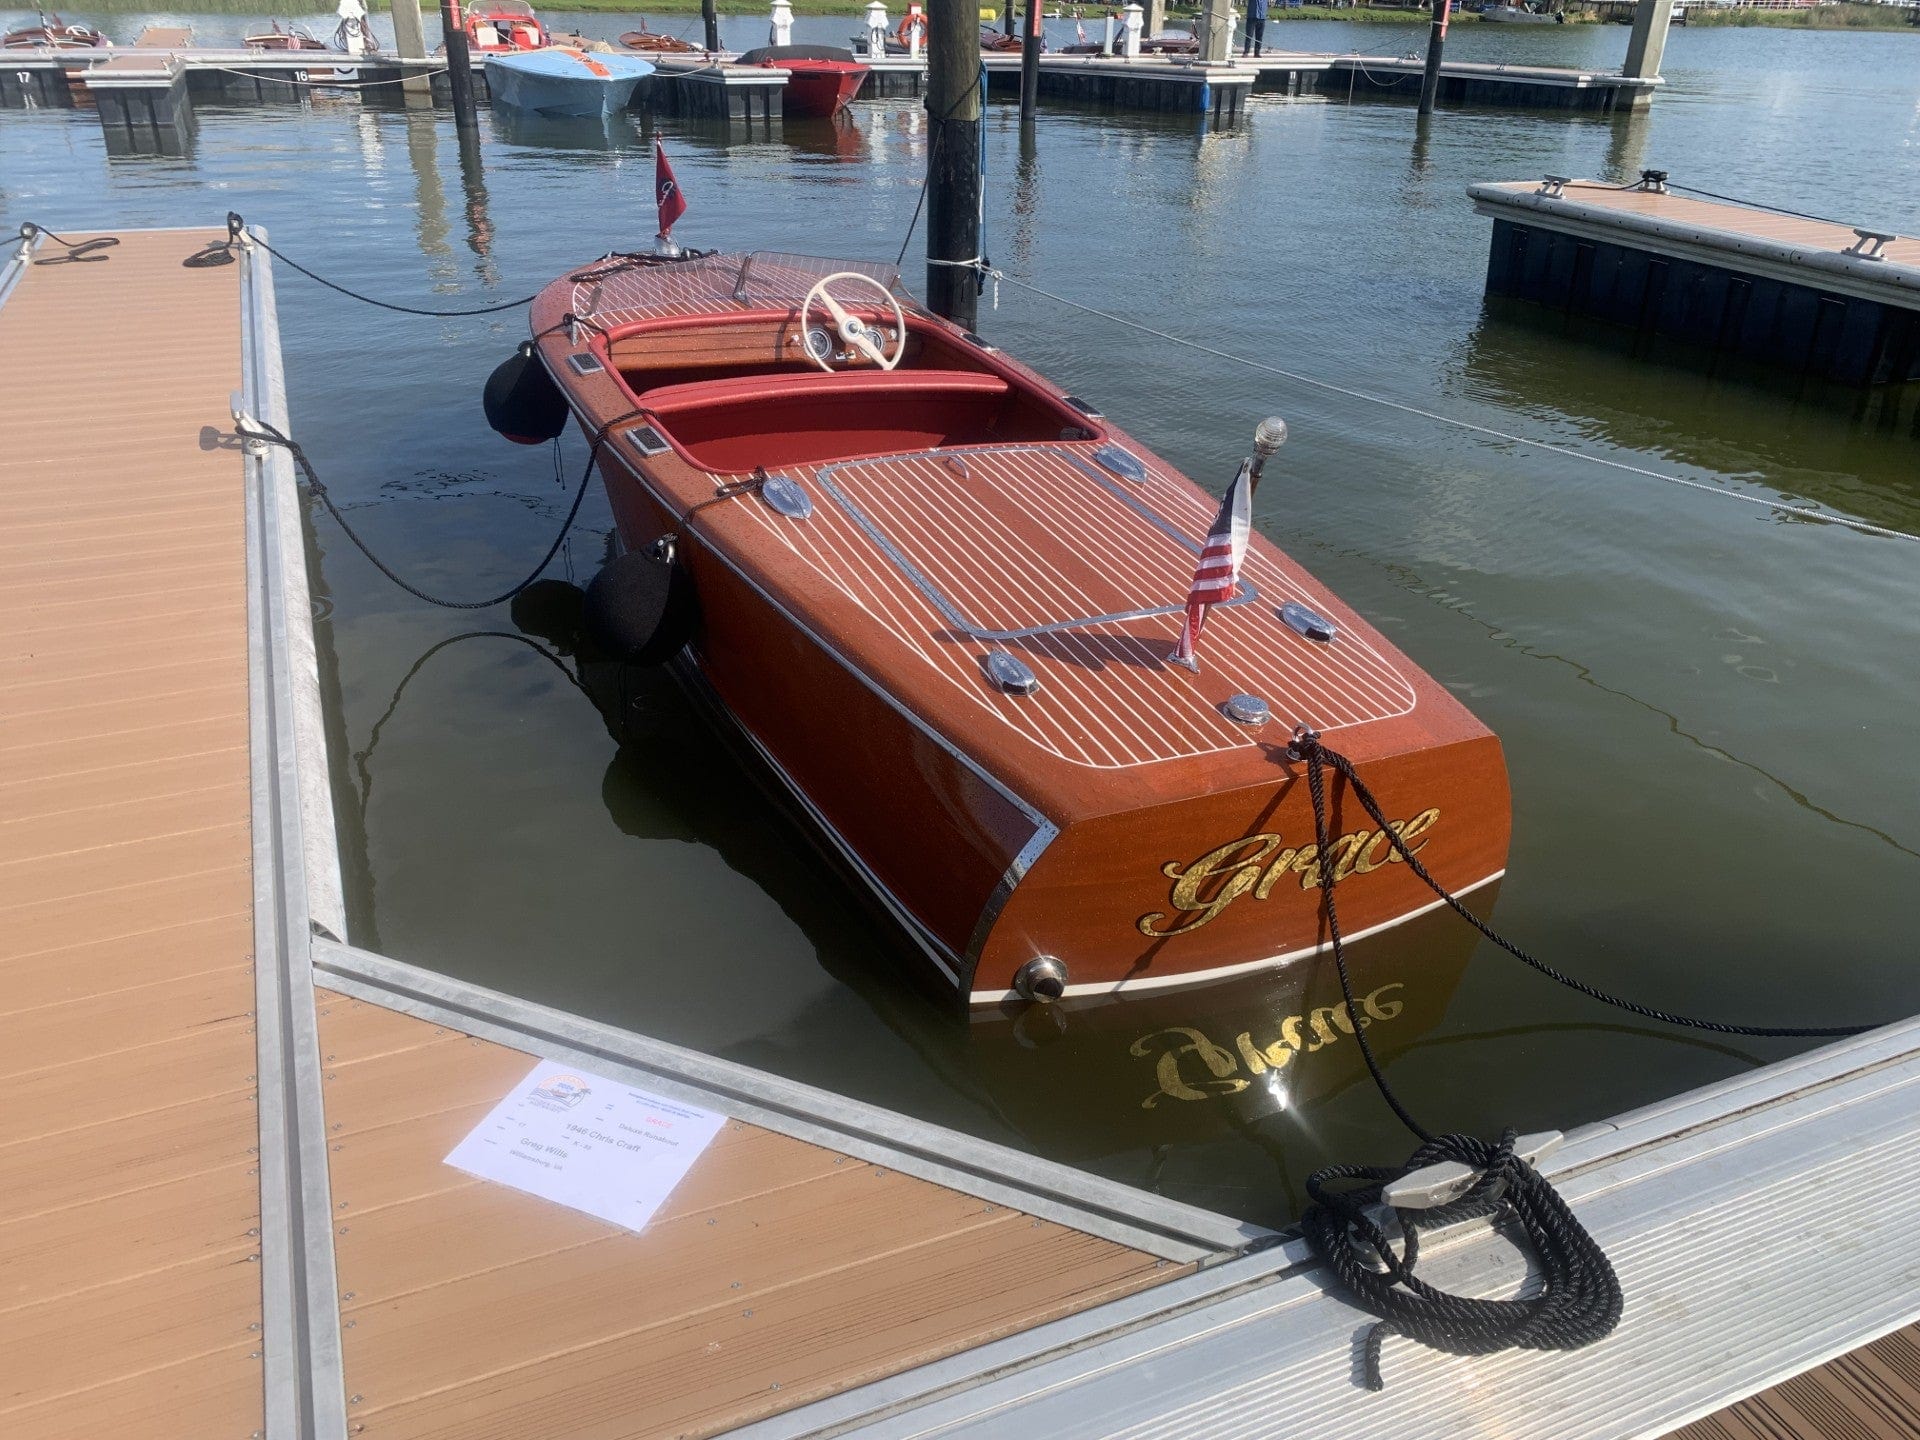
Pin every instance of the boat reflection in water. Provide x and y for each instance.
(1224, 1081)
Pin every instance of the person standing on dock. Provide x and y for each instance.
(1256, 27)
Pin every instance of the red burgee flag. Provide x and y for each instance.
(1217, 576)
(666, 190)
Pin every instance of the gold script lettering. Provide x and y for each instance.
(1254, 864)
(1166, 1069)
(1221, 1076)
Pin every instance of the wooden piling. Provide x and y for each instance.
(1436, 47)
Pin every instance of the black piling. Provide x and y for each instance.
(459, 64)
(953, 159)
(1029, 61)
(1436, 47)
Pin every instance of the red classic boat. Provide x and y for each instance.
(495, 27)
(821, 78)
(938, 596)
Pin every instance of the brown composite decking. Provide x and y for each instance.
(1713, 215)
(1872, 1393)
(130, 1300)
(128, 1282)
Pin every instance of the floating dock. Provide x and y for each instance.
(1816, 297)
(224, 1203)
(145, 92)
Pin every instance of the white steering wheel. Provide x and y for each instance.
(854, 332)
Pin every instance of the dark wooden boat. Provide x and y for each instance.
(283, 38)
(937, 596)
(821, 78)
(653, 42)
(53, 33)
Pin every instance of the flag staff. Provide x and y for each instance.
(666, 195)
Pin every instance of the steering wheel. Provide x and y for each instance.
(854, 332)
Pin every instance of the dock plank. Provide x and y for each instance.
(471, 1309)
(129, 1296)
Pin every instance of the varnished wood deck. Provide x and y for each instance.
(1871, 1394)
(129, 1292)
(130, 1215)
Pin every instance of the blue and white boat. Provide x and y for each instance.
(565, 83)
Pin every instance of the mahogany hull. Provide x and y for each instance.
(1113, 819)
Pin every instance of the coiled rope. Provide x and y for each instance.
(1799, 512)
(1580, 1300)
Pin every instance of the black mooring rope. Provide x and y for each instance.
(236, 224)
(78, 251)
(271, 435)
(1580, 1300)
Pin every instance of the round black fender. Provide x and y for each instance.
(521, 400)
(641, 609)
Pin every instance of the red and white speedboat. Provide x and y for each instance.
(821, 79)
(495, 27)
(938, 597)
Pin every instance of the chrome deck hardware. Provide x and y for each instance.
(1310, 623)
(1122, 462)
(1010, 673)
(1870, 244)
(1552, 185)
(1247, 710)
(785, 496)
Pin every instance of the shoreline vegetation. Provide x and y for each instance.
(1843, 16)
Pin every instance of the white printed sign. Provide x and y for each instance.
(588, 1142)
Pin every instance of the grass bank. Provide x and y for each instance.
(1819, 17)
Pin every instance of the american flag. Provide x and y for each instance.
(1217, 576)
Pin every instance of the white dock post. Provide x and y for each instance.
(1106, 44)
(877, 29)
(916, 29)
(1646, 46)
(410, 41)
(1134, 14)
(780, 31)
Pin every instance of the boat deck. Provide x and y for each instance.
(224, 1207)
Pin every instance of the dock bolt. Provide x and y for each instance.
(1041, 980)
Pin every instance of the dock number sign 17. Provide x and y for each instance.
(588, 1142)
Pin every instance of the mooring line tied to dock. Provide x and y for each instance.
(1367, 1233)
(93, 249)
(237, 236)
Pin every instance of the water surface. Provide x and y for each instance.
(1709, 711)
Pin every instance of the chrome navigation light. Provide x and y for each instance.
(785, 496)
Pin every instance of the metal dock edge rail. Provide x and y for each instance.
(1761, 1224)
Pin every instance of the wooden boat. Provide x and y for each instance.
(1518, 15)
(283, 38)
(495, 27)
(53, 33)
(565, 84)
(653, 42)
(937, 596)
(821, 78)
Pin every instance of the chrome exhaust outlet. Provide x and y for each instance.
(1041, 980)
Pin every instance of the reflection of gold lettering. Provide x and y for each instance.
(1255, 864)
(1167, 1069)
(1327, 1023)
